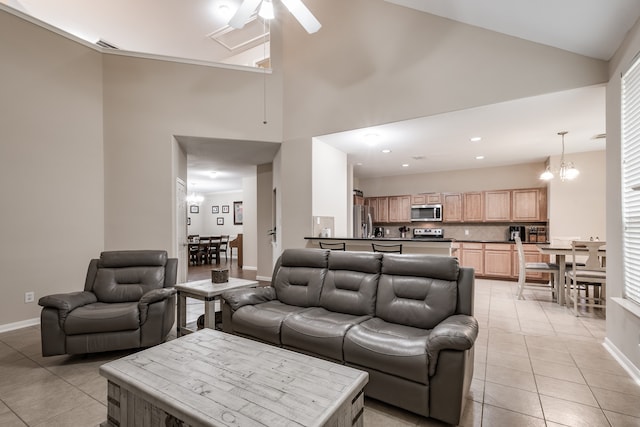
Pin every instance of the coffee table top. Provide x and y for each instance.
(213, 378)
(205, 288)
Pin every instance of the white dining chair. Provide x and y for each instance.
(591, 274)
(544, 267)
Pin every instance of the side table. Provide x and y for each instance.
(208, 292)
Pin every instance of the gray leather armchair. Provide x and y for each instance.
(128, 302)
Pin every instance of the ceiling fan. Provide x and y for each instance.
(296, 7)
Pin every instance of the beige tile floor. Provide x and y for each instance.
(535, 365)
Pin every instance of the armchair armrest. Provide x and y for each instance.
(457, 332)
(64, 303)
(153, 296)
(250, 296)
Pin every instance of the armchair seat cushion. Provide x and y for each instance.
(398, 350)
(103, 317)
(263, 320)
(319, 331)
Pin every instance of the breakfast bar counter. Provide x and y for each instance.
(433, 246)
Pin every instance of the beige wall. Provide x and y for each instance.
(51, 171)
(265, 220)
(622, 325)
(330, 189)
(146, 102)
(578, 207)
(498, 178)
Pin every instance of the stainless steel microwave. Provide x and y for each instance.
(426, 213)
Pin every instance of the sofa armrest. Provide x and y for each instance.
(249, 296)
(153, 296)
(67, 302)
(457, 332)
(64, 303)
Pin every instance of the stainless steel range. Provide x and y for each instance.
(427, 233)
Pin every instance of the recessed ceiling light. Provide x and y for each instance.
(405, 165)
(386, 150)
(479, 157)
(225, 10)
(475, 139)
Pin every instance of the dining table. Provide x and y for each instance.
(561, 252)
(210, 243)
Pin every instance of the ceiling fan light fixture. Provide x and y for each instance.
(266, 10)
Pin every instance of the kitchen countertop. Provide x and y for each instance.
(496, 241)
(384, 239)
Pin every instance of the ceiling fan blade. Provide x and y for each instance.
(303, 15)
(243, 13)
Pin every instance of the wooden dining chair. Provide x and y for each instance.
(544, 267)
(593, 274)
(334, 246)
(224, 245)
(391, 249)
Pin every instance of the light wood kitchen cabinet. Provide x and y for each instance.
(380, 207)
(358, 200)
(400, 209)
(473, 207)
(497, 205)
(426, 199)
(531, 254)
(452, 207)
(529, 204)
(498, 259)
(472, 255)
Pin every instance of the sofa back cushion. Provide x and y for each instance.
(124, 276)
(351, 283)
(417, 290)
(298, 276)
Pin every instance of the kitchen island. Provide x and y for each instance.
(433, 246)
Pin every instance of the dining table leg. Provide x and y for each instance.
(562, 285)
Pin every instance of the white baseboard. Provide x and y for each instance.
(19, 325)
(249, 267)
(264, 278)
(622, 360)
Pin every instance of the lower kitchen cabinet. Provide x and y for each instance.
(472, 255)
(497, 260)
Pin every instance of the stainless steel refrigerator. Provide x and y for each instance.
(362, 221)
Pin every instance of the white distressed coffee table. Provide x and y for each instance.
(208, 292)
(210, 378)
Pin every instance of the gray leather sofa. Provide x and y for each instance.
(128, 302)
(405, 319)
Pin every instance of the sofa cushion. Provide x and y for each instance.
(101, 317)
(318, 331)
(298, 279)
(417, 290)
(387, 347)
(351, 283)
(263, 321)
(126, 284)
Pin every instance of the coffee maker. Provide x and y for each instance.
(378, 232)
(516, 231)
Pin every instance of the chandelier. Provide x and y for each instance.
(194, 199)
(567, 169)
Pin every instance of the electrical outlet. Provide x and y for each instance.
(466, 232)
(29, 297)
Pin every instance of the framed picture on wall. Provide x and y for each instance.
(220, 220)
(225, 208)
(194, 209)
(237, 213)
(215, 209)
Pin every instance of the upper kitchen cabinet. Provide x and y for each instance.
(529, 204)
(380, 207)
(473, 207)
(497, 205)
(358, 200)
(426, 199)
(452, 207)
(400, 208)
